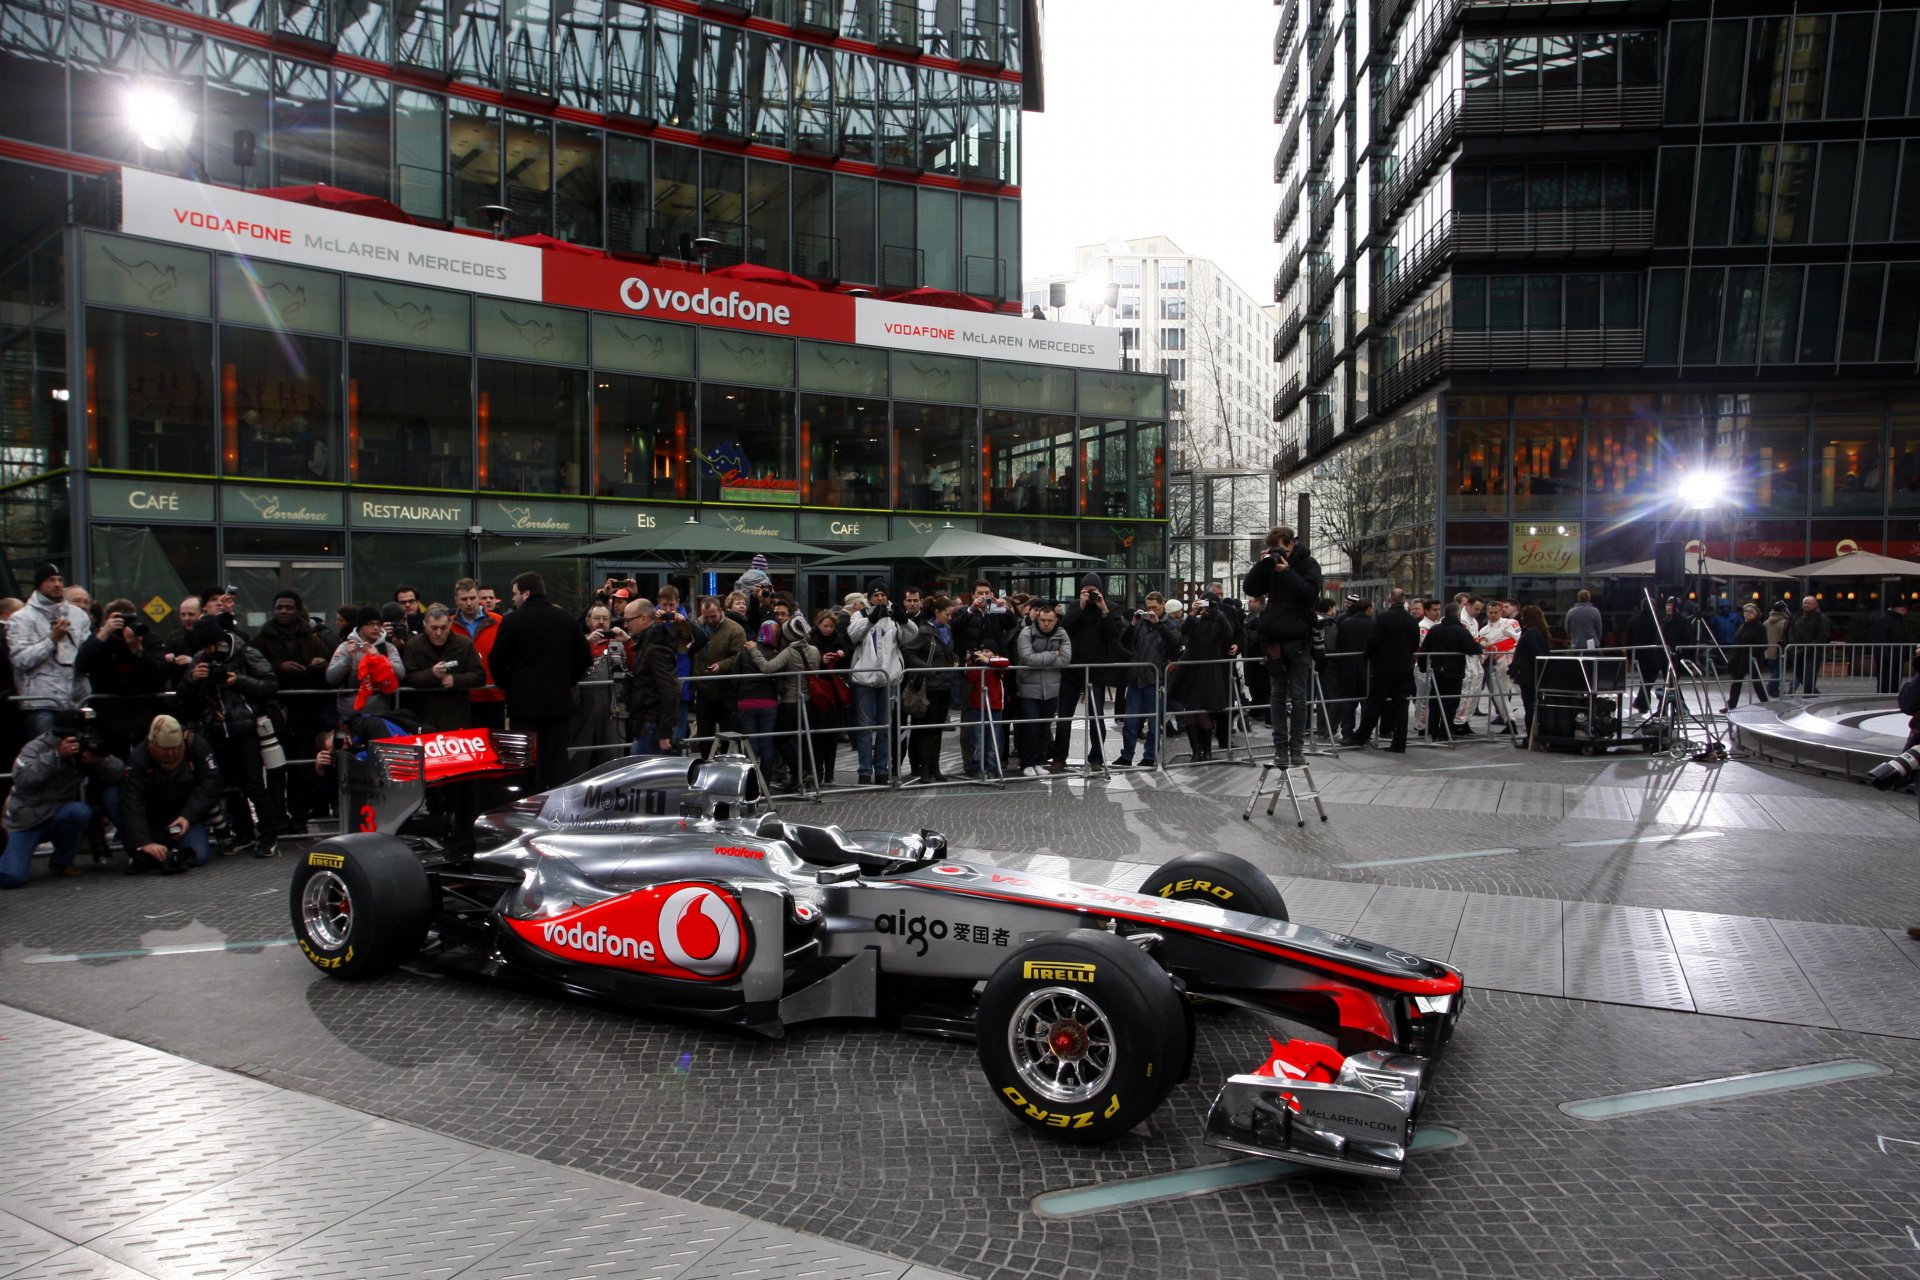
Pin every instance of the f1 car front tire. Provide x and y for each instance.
(1219, 880)
(361, 905)
(1081, 1035)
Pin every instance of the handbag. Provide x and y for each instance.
(913, 698)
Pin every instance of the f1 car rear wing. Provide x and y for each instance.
(385, 785)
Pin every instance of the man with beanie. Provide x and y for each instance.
(1094, 629)
(876, 630)
(169, 789)
(45, 802)
(43, 639)
(357, 680)
(1290, 580)
(538, 659)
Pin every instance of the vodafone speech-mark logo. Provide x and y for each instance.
(456, 752)
(691, 931)
(637, 295)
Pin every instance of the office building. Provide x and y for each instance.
(1539, 261)
(577, 269)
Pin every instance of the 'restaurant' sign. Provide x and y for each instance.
(206, 216)
(211, 217)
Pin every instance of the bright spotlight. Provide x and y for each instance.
(1702, 490)
(1089, 292)
(157, 118)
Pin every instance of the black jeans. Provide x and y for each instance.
(1072, 685)
(1288, 683)
(552, 767)
(1387, 699)
(247, 794)
(1752, 673)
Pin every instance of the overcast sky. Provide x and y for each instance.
(1159, 121)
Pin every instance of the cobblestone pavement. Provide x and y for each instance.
(887, 1143)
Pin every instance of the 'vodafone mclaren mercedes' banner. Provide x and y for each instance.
(159, 207)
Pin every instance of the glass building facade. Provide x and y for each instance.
(175, 415)
(1578, 250)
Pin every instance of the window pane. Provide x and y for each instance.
(853, 219)
(152, 277)
(939, 239)
(1583, 301)
(1873, 222)
(833, 366)
(1766, 68)
(1706, 287)
(676, 195)
(523, 330)
(1892, 63)
(1559, 68)
(1906, 220)
(767, 241)
(918, 376)
(844, 458)
(1664, 291)
(1584, 186)
(1740, 324)
(1726, 69)
(1852, 475)
(149, 393)
(629, 193)
(1847, 88)
(1546, 186)
(1674, 207)
(409, 417)
(645, 434)
(1505, 301)
(1807, 74)
(532, 428)
(1820, 317)
(383, 311)
(1027, 457)
(1543, 302)
(1781, 327)
(284, 419)
(643, 346)
(1772, 464)
(1859, 340)
(1509, 188)
(1752, 187)
(732, 356)
(1546, 466)
(1716, 191)
(1792, 193)
(577, 186)
(1477, 468)
(1833, 195)
(747, 445)
(1599, 61)
(936, 451)
(258, 292)
(1902, 320)
(1470, 303)
(1686, 54)
(1621, 304)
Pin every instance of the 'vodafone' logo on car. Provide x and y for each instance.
(637, 295)
(680, 930)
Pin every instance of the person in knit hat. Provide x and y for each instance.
(344, 671)
(43, 639)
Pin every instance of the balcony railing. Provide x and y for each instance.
(1291, 82)
(1423, 154)
(1320, 282)
(1324, 132)
(984, 276)
(902, 266)
(1560, 110)
(1449, 350)
(1288, 457)
(1289, 272)
(1283, 34)
(1321, 364)
(1545, 233)
(1420, 260)
(1283, 158)
(1285, 336)
(1289, 210)
(1419, 49)
(1323, 56)
(1386, 16)
(1286, 397)
(817, 257)
(1320, 430)
(1324, 203)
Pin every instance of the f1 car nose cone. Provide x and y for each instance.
(1068, 1040)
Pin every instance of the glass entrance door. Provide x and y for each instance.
(321, 584)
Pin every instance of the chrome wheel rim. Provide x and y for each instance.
(326, 911)
(1062, 1045)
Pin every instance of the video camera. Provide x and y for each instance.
(1897, 771)
(135, 624)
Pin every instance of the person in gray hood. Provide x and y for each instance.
(43, 640)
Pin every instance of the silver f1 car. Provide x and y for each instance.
(659, 884)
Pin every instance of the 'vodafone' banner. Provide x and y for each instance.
(205, 216)
(210, 217)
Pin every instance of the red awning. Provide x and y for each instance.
(758, 274)
(323, 196)
(539, 241)
(943, 298)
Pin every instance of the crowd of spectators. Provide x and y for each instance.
(174, 748)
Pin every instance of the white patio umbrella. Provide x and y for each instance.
(1716, 568)
(1860, 564)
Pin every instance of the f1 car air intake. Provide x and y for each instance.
(660, 885)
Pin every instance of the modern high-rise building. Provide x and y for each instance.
(346, 292)
(1539, 261)
(1183, 316)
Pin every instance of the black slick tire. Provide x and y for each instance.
(361, 905)
(1081, 1035)
(1219, 880)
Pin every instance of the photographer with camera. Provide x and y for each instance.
(1290, 580)
(126, 676)
(43, 640)
(170, 788)
(440, 662)
(1094, 627)
(225, 696)
(364, 686)
(45, 803)
(876, 629)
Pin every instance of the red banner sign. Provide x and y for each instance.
(688, 297)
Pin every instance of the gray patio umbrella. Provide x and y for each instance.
(955, 546)
(1861, 564)
(687, 543)
(1716, 568)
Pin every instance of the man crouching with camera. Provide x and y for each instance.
(46, 803)
(171, 787)
(1289, 578)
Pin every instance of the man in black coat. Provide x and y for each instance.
(653, 688)
(1347, 664)
(1290, 580)
(170, 788)
(1891, 646)
(538, 658)
(1389, 649)
(1093, 626)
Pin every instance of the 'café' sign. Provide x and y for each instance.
(1545, 550)
(147, 500)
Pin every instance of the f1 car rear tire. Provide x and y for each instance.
(361, 905)
(1219, 880)
(1081, 1035)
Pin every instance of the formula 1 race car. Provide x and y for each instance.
(661, 885)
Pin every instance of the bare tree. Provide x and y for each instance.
(1222, 432)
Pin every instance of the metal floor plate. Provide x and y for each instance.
(196, 1174)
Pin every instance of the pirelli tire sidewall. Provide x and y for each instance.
(1219, 880)
(391, 904)
(1150, 1032)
